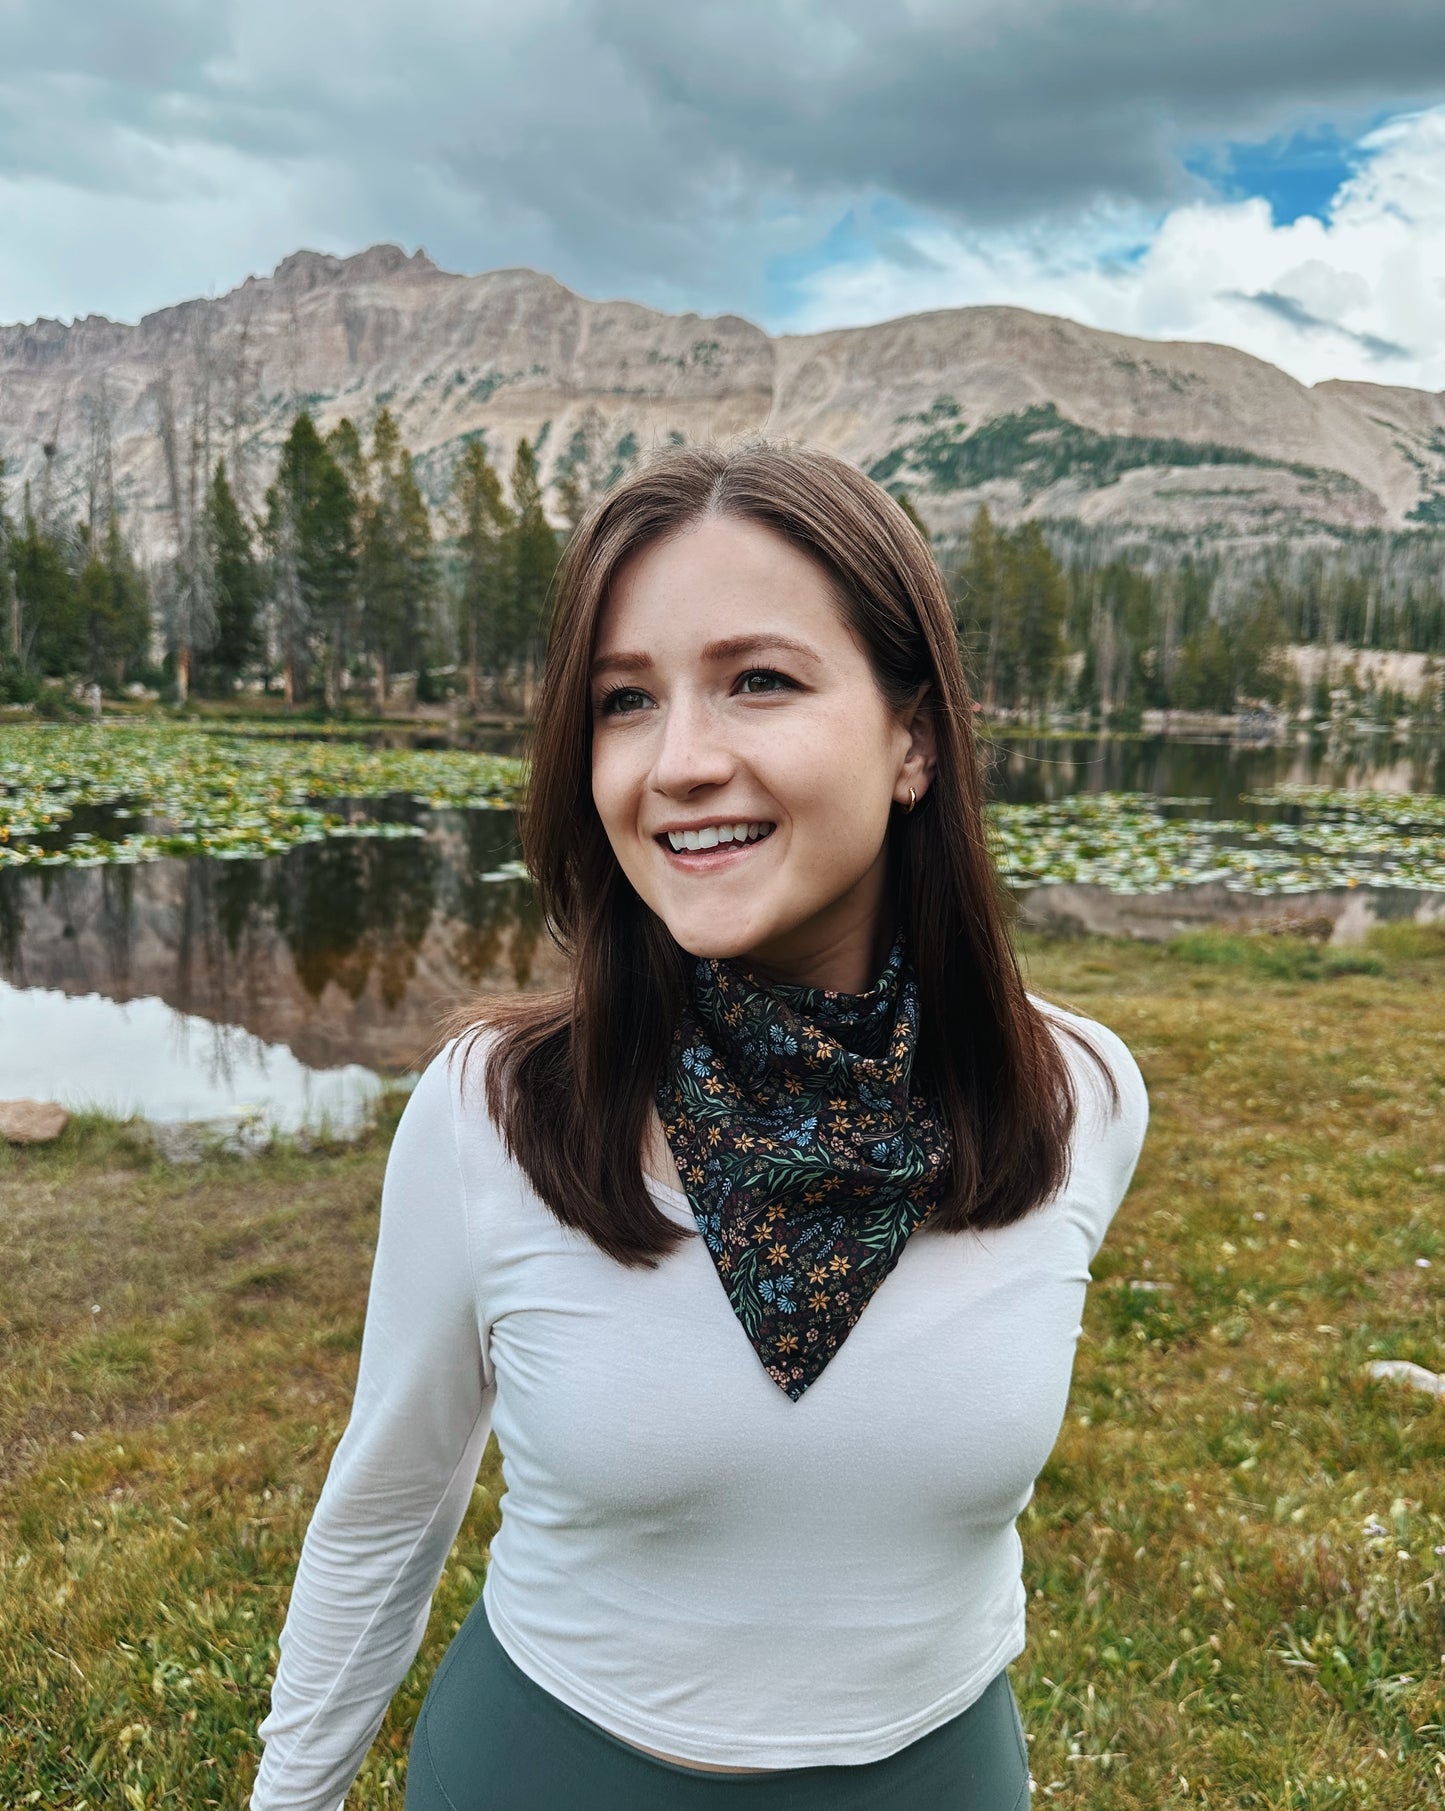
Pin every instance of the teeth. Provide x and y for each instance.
(712, 834)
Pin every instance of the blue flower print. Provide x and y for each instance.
(777, 1293)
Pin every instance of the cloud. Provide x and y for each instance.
(1359, 293)
(1289, 309)
(692, 156)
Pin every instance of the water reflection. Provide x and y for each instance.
(342, 951)
(1036, 770)
(145, 1058)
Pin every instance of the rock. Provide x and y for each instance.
(1399, 1370)
(32, 1121)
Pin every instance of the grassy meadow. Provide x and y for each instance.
(1235, 1557)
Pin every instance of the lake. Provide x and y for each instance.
(242, 987)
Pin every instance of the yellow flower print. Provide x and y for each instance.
(818, 1274)
(788, 1342)
(839, 1265)
(778, 1254)
(817, 1301)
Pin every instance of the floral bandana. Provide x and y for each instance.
(806, 1158)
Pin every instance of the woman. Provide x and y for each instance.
(758, 1545)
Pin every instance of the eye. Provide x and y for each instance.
(757, 682)
(622, 701)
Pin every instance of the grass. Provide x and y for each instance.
(1235, 1557)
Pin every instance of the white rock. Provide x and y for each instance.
(1399, 1370)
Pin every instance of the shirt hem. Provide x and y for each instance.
(736, 1750)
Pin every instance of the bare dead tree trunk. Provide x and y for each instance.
(188, 471)
(50, 449)
(100, 469)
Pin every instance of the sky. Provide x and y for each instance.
(1255, 172)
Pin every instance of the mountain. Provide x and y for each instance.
(1032, 414)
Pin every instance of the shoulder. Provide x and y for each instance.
(449, 1098)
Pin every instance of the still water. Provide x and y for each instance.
(284, 988)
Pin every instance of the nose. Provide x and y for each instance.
(691, 751)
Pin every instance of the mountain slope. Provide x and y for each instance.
(1035, 415)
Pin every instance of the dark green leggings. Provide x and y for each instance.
(491, 1739)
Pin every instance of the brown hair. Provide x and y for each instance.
(570, 1077)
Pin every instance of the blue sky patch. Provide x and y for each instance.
(1296, 174)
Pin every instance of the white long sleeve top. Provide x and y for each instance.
(685, 1556)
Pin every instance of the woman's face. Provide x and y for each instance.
(744, 761)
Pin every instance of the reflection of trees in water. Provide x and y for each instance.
(97, 900)
(350, 906)
(489, 917)
(1037, 770)
(117, 892)
(12, 921)
(238, 890)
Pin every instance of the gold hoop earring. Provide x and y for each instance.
(912, 801)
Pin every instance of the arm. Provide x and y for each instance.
(1109, 1141)
(399, 1482)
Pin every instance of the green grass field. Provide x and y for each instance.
(1235, 1557)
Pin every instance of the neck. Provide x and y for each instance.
(843, 950)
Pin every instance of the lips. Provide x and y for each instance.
(712, 836)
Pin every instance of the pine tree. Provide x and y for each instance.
(9, 607)
(533, 563)
(311, 537)
(54, 636)
(483, 526)
(238, 586)
(977, 602)
(1036, 603)
(329, 570)
(397, 565)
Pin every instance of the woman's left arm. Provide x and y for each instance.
(400, 1479)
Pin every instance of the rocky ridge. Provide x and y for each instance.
(1032, 414)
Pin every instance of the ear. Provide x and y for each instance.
(921, 758)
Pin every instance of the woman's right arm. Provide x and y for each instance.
(400, 1479)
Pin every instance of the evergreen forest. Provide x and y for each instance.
(345, 583)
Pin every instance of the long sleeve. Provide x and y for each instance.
(1111, 1138)
(399, 1481)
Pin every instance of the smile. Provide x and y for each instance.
(709, 836)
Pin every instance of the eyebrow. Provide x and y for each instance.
(731, 647)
